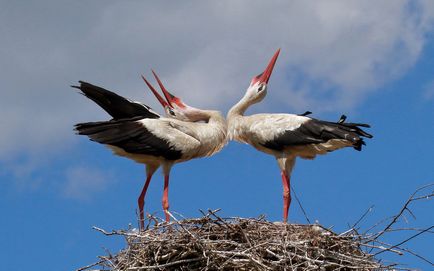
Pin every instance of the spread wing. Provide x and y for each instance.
(134, 136)
(116, 106)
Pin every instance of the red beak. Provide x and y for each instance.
(171, 99)
(158, 96)
(265, 76)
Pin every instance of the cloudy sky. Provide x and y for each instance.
(372, 60)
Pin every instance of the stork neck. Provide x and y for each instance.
(215, 117)
(239, 108)
(195, 114)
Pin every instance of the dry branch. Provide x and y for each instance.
(405, 207)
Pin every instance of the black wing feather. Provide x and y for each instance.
(129, 135)
(116, 106)
(318, 131)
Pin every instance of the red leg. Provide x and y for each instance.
(286, 195)
(166, 197)
(141, 201)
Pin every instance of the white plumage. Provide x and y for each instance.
(260, 128)
(138, 133)
(287, 136)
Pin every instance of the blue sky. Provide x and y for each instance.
(372, 60)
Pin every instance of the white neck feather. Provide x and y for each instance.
(239, 108)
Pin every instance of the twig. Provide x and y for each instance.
(418, 256)
(90, 265)
(167, 264)
(405, 207)
(363, 216)
(301, 206)
(405, 241)
(104, 232)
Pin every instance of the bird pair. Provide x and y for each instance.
(138, 133)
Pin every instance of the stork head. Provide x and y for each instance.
(173, 106)
(258, 86)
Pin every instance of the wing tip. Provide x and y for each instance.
(79, 86)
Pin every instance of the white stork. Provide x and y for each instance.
(140, 134)
(287, 136)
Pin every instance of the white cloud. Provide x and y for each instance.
(334, 53)
(83, 182)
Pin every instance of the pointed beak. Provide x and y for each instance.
(158, 96)
(171, 99)
(265, 76)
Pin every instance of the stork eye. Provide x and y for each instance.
(261, 88)
(171, 112)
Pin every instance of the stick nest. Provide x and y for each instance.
(215, 243)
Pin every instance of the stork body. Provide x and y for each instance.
(288, 136)
(155, 141)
